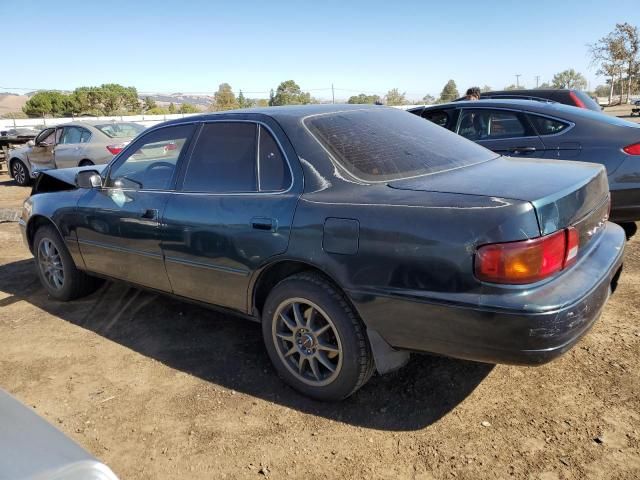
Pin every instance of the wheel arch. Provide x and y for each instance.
(36, 222)
(277, 271)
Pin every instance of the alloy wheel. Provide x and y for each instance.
(307, 342)
(19, 173)
(50, 263)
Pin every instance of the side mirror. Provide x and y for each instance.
(43, 144)
(88, 179)
(30, 143)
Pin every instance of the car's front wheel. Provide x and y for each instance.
(20, 173)
(56, 269)
(315, 339)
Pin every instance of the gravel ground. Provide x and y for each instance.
(160, 389)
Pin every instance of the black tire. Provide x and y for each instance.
(85, 163)
(20, 173)
(354, 364)
(74, 283)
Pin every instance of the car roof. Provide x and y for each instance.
(288, 111)
(530, 105)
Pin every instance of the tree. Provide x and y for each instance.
(569, 79)
(289, 93)
(50, 102)
(513, 86)
(172, 108)
(149, 103)
(119, 99)
(630, 39)
(188, 108)
(363, 98)
(608, 54)
(429, 99)
(601, 90)
(244, 102)
(262, 102)
(544, 85)
(449, 92)
(158, 111)
(224, 98)
(485, 89)
(394, 97)
(89, 100)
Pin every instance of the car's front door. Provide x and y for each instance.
(119, 225)
(71, 146)
(506, 132)
(41, 154)
(234, 211)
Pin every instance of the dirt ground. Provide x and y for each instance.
(160, 389)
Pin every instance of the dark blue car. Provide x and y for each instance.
(354, 234)
(533, 129)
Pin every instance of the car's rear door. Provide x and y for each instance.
(71, 147)
(556, 136)
(506, 132)
(119, 225)
(233, 212)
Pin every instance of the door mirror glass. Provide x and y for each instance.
(88, 179)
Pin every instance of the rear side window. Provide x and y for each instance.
(547, 126)
(273, 171)
(383, 144)
(491, 124)
(223, 159)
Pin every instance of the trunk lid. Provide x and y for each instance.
(563, 193)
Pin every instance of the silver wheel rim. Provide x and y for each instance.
(19, 173)
(307, 342)
(50, 263)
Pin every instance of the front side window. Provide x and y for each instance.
(483, 124)
(46, 136)
(150, 163)
(547, 126)
(224, 159)
(439, 117)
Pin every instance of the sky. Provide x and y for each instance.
(369, 47)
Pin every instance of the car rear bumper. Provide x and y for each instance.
(532, 326)
(625, 205)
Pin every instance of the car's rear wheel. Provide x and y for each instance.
(315, 339)
(20, 173)
(85, 163)
(56, 269)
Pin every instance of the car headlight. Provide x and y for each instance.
(26, 209)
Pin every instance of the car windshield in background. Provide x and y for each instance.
(120, 130)
(385, 144)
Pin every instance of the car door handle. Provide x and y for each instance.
(150, 214)
(522, 150)
(261, 223)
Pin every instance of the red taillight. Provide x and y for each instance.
(115, 149)
(632, 149)
(170, 146)
(527, 261)
(576, 100)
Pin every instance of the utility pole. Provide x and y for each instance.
(333, 95)
(518, 75)
(537, 81)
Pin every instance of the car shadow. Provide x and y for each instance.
(229, 352)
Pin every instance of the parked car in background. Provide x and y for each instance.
(522, 128)
(354, 234)
(71, 145)
(32, 449)
(575, 98)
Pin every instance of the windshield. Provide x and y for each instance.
(120, 130)
(383, 144)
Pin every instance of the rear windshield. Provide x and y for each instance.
(120, 130)
(383, 144)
